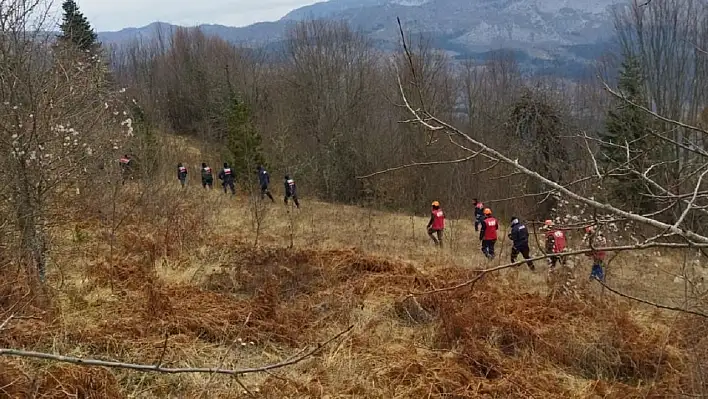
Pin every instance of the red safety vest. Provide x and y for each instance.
(227, 171)
(182, 169)
(208, 170)
(559, 240)
(480, 205)
(490, 229)
(438, 219)
(124, 160)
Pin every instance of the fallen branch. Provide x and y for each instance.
(620, 248)
(4, 323)
(656, 305)
(159, 369)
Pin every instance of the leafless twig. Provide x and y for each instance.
(414, 164)
(652, 113)
(159, 369)
(656, 305)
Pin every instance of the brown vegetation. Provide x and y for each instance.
(140, 271)
(186, 304)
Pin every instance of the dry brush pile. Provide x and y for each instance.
(491, 340)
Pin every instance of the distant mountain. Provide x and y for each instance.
(559, 34)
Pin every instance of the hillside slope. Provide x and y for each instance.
(186, 285)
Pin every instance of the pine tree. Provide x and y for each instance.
(243, 141)
(627, 124)
(76, 29)
(147, 141)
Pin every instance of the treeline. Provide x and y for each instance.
(328, 109)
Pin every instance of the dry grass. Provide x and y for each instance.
(184, 266)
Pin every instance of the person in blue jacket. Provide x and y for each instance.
(520, 241)
(264, 181)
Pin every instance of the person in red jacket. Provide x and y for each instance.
(488, 233)
(182, 174)
(436, 225)
(555, 243)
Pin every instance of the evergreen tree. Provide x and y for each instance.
(627, 124)
(243, 141)
(147, 141)
(76, 29)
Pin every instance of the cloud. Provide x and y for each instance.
(113, 15)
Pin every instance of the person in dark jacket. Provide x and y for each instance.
(227, 178)
(291, 191)
(207, 176)
(520, 242)
(264, 181)
(478, 214)
(181, 174)
(126, 168)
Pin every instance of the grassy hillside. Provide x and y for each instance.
(185, 284)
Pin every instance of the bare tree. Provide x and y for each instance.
(59, 118)
(329, 66)
(666, 36)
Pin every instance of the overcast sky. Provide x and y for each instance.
(106, 15)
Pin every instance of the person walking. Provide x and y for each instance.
(207, 176)
(595, 239)
(181, 174)
(126, 168)
(478, 214)
(264, 181)
(227, 179)
(488, 233)
(291, 191)
(555, 243)
(519, 237)
(436, 224)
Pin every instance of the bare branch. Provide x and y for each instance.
(620, 248)
(691, 203)
(652, 113)
(656, 305)
(698, 48)
(159, 369)
(414, 164)
(7, 320)
(592, 156)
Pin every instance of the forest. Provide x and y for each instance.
(372, 138)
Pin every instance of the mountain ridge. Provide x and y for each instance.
(559, 32)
